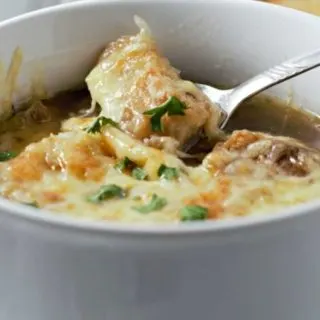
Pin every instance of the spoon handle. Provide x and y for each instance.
(269, 78)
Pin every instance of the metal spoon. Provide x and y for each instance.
(229, 100)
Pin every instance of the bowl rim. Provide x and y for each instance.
(20, 211)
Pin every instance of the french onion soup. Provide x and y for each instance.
(140, 144)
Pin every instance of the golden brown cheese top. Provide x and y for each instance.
(133, 77)
(62, 171)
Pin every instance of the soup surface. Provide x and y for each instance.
(142, 145)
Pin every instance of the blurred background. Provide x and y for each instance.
(311, 6)
(11, 8)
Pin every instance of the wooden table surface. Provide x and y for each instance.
(311, 6)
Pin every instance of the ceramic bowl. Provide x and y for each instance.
(254, 268)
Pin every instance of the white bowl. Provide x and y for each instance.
(57, 268)
(10, 9)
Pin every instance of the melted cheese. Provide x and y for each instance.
(60, 171)
(132, 77)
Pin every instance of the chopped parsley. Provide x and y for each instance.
(7, 155)
(100, 122)
(126, 163)
(107, 192)
(156, 203)
(193, 213)
(32, 204)
(173, 106)
(139, 173)
(123, 164)
(168, 173)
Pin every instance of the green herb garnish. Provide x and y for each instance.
(126, 163)
(139, 173)
(156, 203)
(173, 106)
(123, 164)
(7, 155)
(32, 204)
(99, 123)
(193, 213)
(107, 192)
(168, 173)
